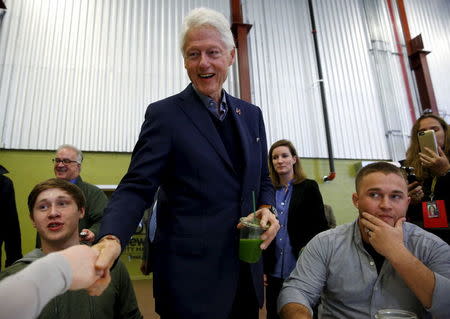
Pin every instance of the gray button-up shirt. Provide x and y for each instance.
(336, 267)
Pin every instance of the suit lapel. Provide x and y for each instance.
(236, 111)
(198, 114)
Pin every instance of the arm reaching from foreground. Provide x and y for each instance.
(44, 279)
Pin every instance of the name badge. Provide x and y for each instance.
(434, 214)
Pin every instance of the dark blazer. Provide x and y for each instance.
(306, 218)
(201, 199)
(148, 247)
(9, 228)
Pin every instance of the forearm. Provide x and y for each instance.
(34, 287)
(415, 274)
(295, 311)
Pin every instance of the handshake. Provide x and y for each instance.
(90, 266)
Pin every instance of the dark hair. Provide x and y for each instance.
(61, 184)
(299, 174)
(378, 167)
(412, 154)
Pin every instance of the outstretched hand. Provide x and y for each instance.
(81, 259)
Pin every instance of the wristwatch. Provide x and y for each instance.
(274, 211)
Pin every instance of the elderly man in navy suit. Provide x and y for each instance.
(207, 152)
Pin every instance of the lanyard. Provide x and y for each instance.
(433, 185)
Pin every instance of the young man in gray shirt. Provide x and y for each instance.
(378, 261)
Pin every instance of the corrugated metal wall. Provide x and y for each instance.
(391, 73)
(285, 78)
(432, 19)
(83, 72)
(355, 114)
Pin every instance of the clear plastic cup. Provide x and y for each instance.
(250, 239)
(394, 314)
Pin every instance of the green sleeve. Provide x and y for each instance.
(96, 201)
(126, 301)
(97, 207)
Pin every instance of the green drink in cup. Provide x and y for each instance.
(250, 239)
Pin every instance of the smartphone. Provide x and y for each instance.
(427, 139)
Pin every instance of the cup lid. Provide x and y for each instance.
(251, 223)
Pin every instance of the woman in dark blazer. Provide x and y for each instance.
(301, 215)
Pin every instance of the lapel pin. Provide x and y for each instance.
(257, 139)
(238, 111)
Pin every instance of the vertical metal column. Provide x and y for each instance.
(240, 31)
(332, 173)
(418, 63)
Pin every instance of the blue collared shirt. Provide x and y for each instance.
(152, 222)
(335, 266)
(285, 259)
(219, 112)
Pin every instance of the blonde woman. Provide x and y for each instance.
(432, 188)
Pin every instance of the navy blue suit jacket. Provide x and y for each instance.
(201, 199)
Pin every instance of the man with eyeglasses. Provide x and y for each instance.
(67, 163)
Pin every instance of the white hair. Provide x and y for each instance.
(204, 17)
(79, 153)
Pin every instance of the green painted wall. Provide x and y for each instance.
(27, 168)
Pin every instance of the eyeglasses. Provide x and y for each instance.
(66, 161)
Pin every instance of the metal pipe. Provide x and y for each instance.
(332, 173)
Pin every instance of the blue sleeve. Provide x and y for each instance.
(440, 265)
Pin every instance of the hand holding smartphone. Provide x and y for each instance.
(427, 139)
